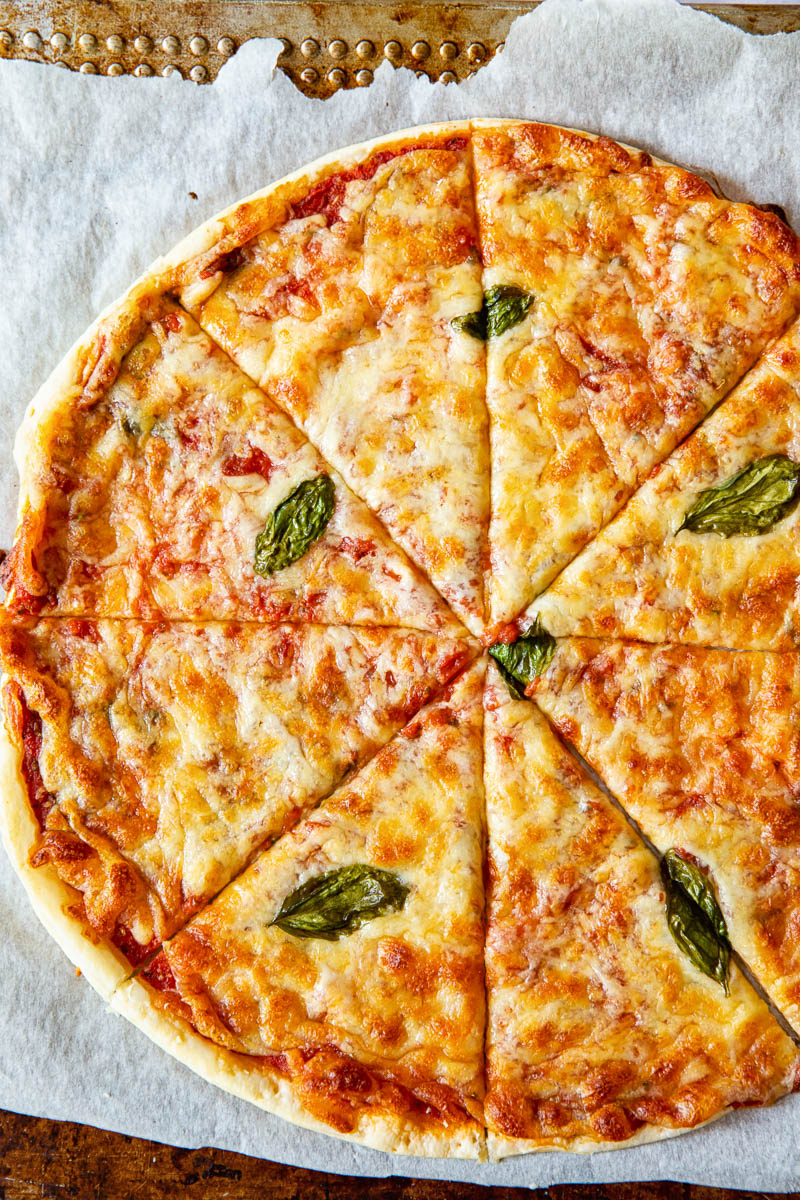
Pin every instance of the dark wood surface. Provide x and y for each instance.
(52, 1159)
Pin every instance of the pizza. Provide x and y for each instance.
(703, 749)
(293, 701)
(706, 552)
(648, 297)
(580, 958)
(381, 1030)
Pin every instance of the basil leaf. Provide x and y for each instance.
(695, 919)
(748, 503)
(340, 901)
(473, 323)
(508, 679)
(521, 661)
(503, 307)
(297, 522)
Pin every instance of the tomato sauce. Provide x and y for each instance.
(134, 951)
(255, 462)
(41, 801)
(159, 975)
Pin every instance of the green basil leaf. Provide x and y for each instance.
(297, 522)
(521, 661)
(695, 919)
(748, 503)
(508, 679)
(503, 307)
(473, 323)
(340, 901)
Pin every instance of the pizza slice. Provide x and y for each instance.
(147, 764)
(336, 291)
(703, 748)
(339, 981)
(157, 480)
(623, 300)
(603, 1031)
(708, 549)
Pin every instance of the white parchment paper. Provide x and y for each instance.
(96, 177)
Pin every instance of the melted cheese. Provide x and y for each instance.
(703, 749)
(146, 500)
(392, 1013)
(343, 317)
(642, 579)
(652, 297)
(599, 1026)
(185, 748)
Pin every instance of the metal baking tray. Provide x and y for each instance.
(328, 44)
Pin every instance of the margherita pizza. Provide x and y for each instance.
(277, 502)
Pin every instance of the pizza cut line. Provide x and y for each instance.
(261, 780)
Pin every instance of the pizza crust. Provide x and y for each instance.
(236, 1074)
(97, 959)
(500, 1147)
(229, 226)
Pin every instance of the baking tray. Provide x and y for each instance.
(328, 44)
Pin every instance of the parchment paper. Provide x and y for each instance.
(95, 182)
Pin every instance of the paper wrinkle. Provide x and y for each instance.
(95, 184)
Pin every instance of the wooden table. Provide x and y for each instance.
(56, 1159)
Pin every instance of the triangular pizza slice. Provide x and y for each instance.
(157, 759)
(708, 550)
(623, 299)
(336, 291)
(602, 1031)
(157, 480)
(703, 749)
(339, 981)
